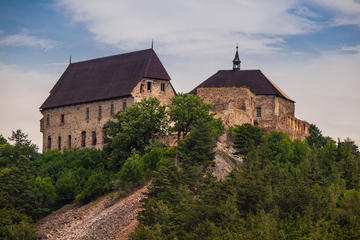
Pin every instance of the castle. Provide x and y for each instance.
(89, 93)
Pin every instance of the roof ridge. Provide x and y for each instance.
(116, 55)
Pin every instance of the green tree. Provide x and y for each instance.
(15, 225)
(246, 137)
(133, 128)
(197, 149)
(187, 109)
(315, 137)
(2, 140)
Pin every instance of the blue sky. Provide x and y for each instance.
(311, 49)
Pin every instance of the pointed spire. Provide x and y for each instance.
(152, 43)
(70, 60)
(236, 61)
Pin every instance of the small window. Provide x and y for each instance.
(69, 141)
(100, 113)
(124, 105)
(62, 119)
(163, 87)
(112, 109)
(83, 138)
(49, 143)
(48, 120)
(59, 143)
(87, 113)
(141, 88)
(258, 112)
(149, 86)
(256, 123)
(93, 138)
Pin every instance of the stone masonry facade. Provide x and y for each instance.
(81, 125)
(237, 106)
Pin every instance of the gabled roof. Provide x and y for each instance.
(255, 80)
(104, 78)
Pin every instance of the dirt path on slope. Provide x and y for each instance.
(101, 219)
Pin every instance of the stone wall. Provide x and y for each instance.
(75, 120)
(234, 105)
(237, 106)
(163, 96)
(279, 114)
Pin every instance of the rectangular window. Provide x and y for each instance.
(87, 113)
(83, 138)
(258, 112)
(49, 143)
(69, 141)
(149, 86)
(62, 119)
(163, 87)
(59, 143)
(100, 113)
(93, 138)
(124, 105)
(112, 109)
(48, 120)
(141, 88)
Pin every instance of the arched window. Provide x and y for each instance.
(93, 138)
(83, 138)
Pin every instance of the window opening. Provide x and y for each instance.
(149, 86)
(59, 143)
(83, 138)
(62, 119)
(69, 141)
(49, 143)
(100, 113)
(124, 105)
(93, 140)
(87, 113)
(163, 87)
(258, 112)
(112, 109)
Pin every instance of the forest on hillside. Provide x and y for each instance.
(284, 189)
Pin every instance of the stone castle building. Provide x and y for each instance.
(248, 96)
(89, 93)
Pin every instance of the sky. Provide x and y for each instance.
(310, 49)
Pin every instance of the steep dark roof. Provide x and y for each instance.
(104, 78)
(255, 80)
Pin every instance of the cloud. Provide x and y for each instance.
(193, 25)
(21, 94)
(24, 39)
(346, 11)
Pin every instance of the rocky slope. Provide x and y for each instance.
(111, 218)
(105, 218)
